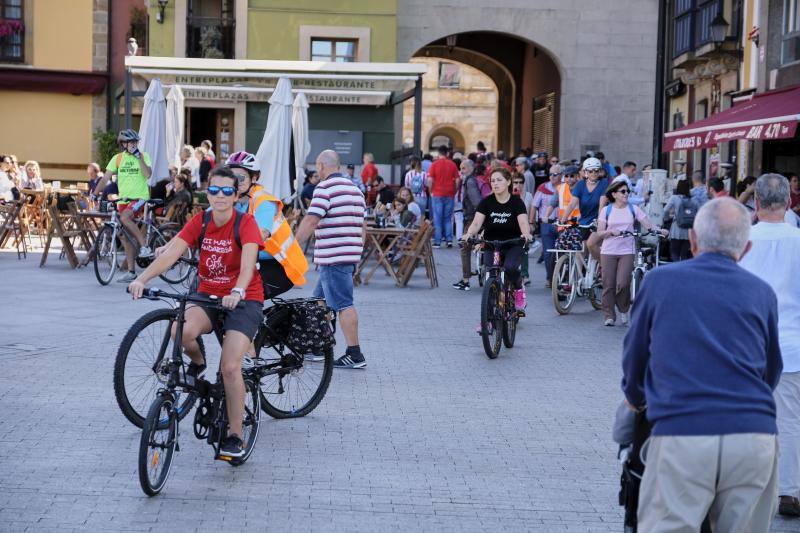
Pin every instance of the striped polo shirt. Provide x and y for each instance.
(339, 235)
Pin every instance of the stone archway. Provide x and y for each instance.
(454, 137)
(607, 84)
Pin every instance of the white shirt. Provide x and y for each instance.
(775, 258)
(5, 187)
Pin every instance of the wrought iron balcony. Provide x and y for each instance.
(210, 37)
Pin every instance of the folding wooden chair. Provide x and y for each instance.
(11, 227)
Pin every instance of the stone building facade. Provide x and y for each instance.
(459, 103)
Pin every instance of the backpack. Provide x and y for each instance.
(630, 208)
(684, 215)
(417, 183)
(207, 219)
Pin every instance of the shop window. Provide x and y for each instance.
(790, 48)
(334, 50)
(449, 76)
(12, 32)
(211, 29)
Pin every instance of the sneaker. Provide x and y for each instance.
(623, 317)
(313, 357)
(609, 322)
(232, 447)
(350, 361)
(436, 246)
(126, 277)
(461, 285)
(548, 285)
(526, 281)
(449, 244)
(196, 371)
(520, 300)
(145, 252)
(789, 506)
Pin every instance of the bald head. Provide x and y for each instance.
(327, 163)
(721, 226)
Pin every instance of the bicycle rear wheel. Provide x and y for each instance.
(251, 421)
(157, 445)
(563, 286)
(107, 253)
(294, 391)
(510, 323)
(142, 365)
(178, 272)
(491, 318)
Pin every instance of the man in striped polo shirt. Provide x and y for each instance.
(336, 216)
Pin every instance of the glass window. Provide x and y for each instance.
(790, 48)
(683, 25)
(449, 75)
(334, 50)
(12, 31)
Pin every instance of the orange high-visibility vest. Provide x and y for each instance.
(564, 198)
(281, 243)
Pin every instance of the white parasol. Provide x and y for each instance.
(153, 131)
(273, 153)
(302, 146)
(175, 117)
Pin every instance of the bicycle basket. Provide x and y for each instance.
(569, 239)
(305, 325)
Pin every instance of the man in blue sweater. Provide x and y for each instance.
(702, 356)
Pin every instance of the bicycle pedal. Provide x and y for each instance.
(224, 458)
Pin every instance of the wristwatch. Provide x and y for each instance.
(239, 291)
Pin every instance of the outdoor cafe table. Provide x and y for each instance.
(379, 242)
(92, 222)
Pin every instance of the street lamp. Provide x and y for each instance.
(162, 5)
(719, 29)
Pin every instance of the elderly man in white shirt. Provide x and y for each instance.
(775, 258)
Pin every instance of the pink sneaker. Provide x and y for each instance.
(520, 301)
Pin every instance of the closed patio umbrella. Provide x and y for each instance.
(153, 131)
(175, 121)
(302, 146)
(273, 154)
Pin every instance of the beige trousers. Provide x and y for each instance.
(731, 478)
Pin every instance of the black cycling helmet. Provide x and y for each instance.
(127, 136)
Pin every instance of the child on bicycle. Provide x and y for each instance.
(503, 216)
(227, 269)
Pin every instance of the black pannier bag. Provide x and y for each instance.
(303, 324)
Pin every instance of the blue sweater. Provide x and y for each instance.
(702, 350)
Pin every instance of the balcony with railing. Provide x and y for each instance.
(210, 37)
(692, 36)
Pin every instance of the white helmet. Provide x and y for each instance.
(592, 163)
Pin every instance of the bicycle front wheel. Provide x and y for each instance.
(295, 389)
(637, 277)
(107, 253)
(491, 318)
(564, 285)
(251, 419)
(142, 365)
(157, 445)
(178, 272)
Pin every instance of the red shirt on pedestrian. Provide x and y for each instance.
(369, 173)
(220, 257)
(444, 174)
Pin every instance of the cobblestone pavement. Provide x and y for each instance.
(432, 436)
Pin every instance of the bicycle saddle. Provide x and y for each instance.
(156, 202)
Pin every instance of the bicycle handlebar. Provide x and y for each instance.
(627, 233)
(212, 302)
(497, 244)
(574, 224)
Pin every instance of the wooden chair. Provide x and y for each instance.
(11, 227)
(67, 227)
(417, 249)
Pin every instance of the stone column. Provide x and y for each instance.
(100, 53)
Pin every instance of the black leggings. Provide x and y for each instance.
(273, 278)
(512, 258)
(679, 250)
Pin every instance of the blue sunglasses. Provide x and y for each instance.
(215, 190)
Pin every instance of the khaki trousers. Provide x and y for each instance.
(787, 402)
(731, 478)
(616, 283)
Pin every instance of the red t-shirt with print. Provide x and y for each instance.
(221, 258)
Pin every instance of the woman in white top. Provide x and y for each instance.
(33, 177)
(6, 185)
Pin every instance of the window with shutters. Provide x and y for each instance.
(12, 32)
(543, 123)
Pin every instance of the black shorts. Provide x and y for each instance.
(245, 319)
(273, 278)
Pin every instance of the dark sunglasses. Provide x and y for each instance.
(623, 191)
(215, 190)
(556, 174)
(593, 170)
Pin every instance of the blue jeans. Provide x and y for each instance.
(442, 207)
(549, 235)
(336, 286)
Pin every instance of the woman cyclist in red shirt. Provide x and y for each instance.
(227, 271)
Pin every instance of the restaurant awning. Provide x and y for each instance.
(766, 116)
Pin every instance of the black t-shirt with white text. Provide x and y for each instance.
(501, 219)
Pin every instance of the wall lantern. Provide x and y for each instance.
(719, 29)
(162, 5)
